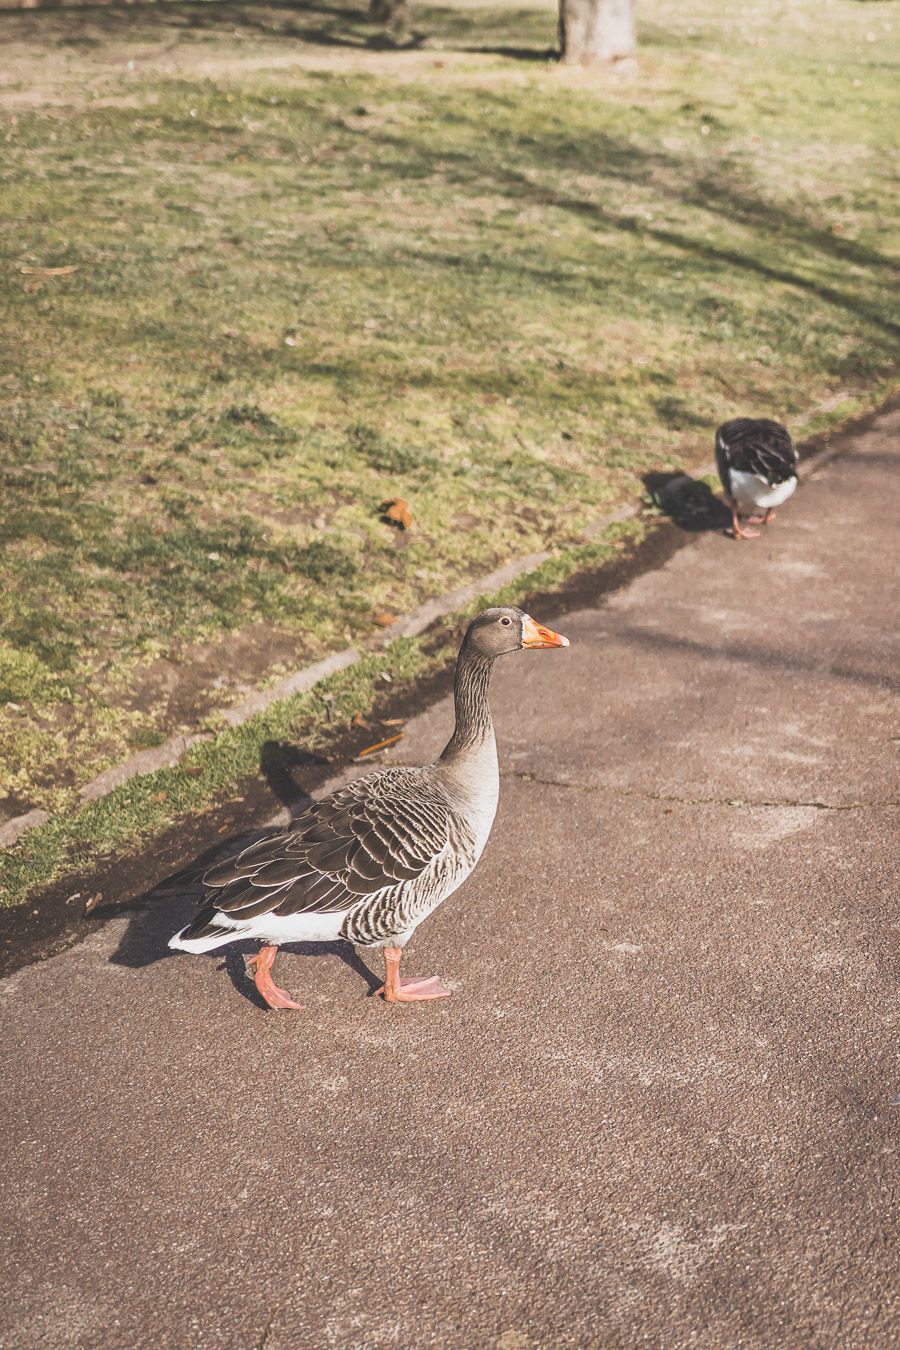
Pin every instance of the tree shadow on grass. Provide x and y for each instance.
(624, 160)
(326, 25)
(361, 42)
(776, 228)
(734, 257)
(547, 54)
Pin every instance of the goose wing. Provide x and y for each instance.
(758, 446)
(374, 834)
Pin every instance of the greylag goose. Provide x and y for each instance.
(372, 860)
(757, 464)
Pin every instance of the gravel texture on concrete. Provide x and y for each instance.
(661, 1108)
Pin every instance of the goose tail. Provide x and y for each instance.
(205, 933)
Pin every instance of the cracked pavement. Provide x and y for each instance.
(662, 1106)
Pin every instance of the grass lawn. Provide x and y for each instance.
(315, 272)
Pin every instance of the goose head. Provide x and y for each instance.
(506, 628)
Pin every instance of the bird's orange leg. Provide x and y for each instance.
(763, 520)
(737, 530)
(396, 990)
(261, 965)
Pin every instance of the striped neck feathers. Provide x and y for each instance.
(474, 725)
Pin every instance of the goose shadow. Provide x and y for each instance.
(280, 763)
(545, 54)
(372, 42)
(163, 910)
(689, 503)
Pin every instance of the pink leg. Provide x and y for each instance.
(763, 520)
(738, 531)
(261, 965)
(396, 990)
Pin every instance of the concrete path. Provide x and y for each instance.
(661, 1108)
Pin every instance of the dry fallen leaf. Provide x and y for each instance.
(193, 770)
(93, 902)
(393, 721)
(49, 271)
(160, 796)
(384, 618)
(360, 721)
(397, 511)
(370, 749)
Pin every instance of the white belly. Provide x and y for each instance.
(755, 493)
(275, 928)
(280, 928)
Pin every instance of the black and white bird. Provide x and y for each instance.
(757, 464)
(375, 858)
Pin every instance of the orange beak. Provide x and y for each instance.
(536, 635)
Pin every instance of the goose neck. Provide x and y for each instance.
(474, 725)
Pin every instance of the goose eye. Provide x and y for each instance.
(506, 622)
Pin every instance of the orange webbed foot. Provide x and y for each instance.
(415, 991)
(261, 967)
(419, 990)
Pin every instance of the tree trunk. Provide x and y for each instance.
(591, 31)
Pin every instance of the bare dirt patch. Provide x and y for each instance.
(211, 675)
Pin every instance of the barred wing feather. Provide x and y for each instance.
(372, 835)
(757, 446)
